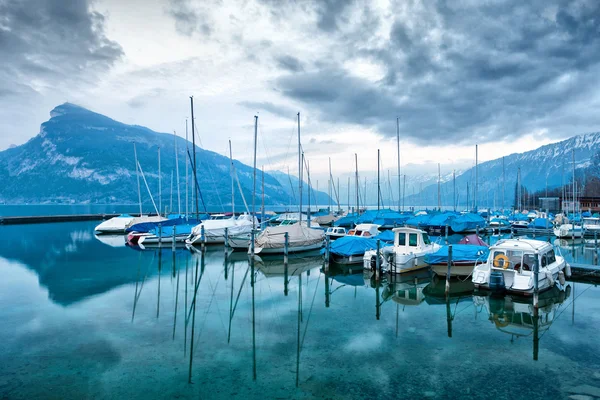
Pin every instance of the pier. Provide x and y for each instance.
(41, 219)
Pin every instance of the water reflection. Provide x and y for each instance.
(232, 325)
(516, 316)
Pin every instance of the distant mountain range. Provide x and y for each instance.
(83, 157)
(547, 166)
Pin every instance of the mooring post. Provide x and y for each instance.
(477, 230)
(226, 238)
(446, 233)
(536, 273)
(286, 240)
(449, 269)
(174, 238)
(327, 248)
(159, 234)
(377, 262)
(534, 231)
(202, 237)
(512, 232)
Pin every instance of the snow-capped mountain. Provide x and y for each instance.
(83, 157)
(547, 166)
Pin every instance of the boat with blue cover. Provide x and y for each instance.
(464, 258)
(467, 223)
(351, 249)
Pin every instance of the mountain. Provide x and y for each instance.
(83, 157)
(547, 166)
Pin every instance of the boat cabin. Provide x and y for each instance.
(336, 231)
(519, 255)
(410, 238)
(365, 230)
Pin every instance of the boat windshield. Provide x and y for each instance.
(513, 259)
(426, 239)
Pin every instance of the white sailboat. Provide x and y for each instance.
(300, 236)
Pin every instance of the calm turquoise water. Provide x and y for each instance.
(89, 318)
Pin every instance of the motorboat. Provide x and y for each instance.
(510, 267)
(464, 258)
(335, 232)
(364, 230)
(569, 231)
(351, 249)
(591, 226)
(407, 254)
(114, 225)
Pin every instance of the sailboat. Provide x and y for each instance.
(214, 229)
(571, 230)
(118, 225)
(300, 236)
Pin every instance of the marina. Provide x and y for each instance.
(101, 315)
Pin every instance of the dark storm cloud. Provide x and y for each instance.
(289, 63)
(50, 42)
(188, 19)
(456, 72)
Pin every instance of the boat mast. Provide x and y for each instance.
(439, 187)
(338, 194)
(307, 189)
(503, 183)
(378, 190)
(262, 205)
(254, 179)
(519, 188)
(356, 175)
(454, 184)
(400, 205)
(348, 195)
(476, 177)
(177, 172)
(403, 191)
(187, 178)
(232, 187)
(159, 186)
(330, 183)
(137, 173)
(574, 195)
(194, 154)
(299, 173)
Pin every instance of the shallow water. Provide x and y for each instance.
(86, 317)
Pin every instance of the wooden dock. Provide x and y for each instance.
(42, 219)
(584, 273)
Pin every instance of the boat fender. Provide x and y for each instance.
(567, 270)
(561, 278)
(550, 278)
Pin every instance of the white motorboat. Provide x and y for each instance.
(568, 231)
(510, 266)
(408, 253)
(364, 230)
(335, 232)
(591, 226)
(114, 225)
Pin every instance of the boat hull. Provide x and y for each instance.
(291, 249)
(456, 270)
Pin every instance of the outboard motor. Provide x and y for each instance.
(497, 284)
(374, 262)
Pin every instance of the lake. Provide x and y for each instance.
(86, 317)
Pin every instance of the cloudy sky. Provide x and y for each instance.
(507, 74)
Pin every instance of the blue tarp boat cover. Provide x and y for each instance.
(501, 222)
(467, 222)
(371, 215)
(540, 223)
(418, 221)
(441, 219)
(385, 236)
(353, 246)
(180, 229)
(460, 252)
(519, 217)
(586, 214)
(145, 227)
(391, 218)
(346, 221)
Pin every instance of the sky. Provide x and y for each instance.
(505, 74)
